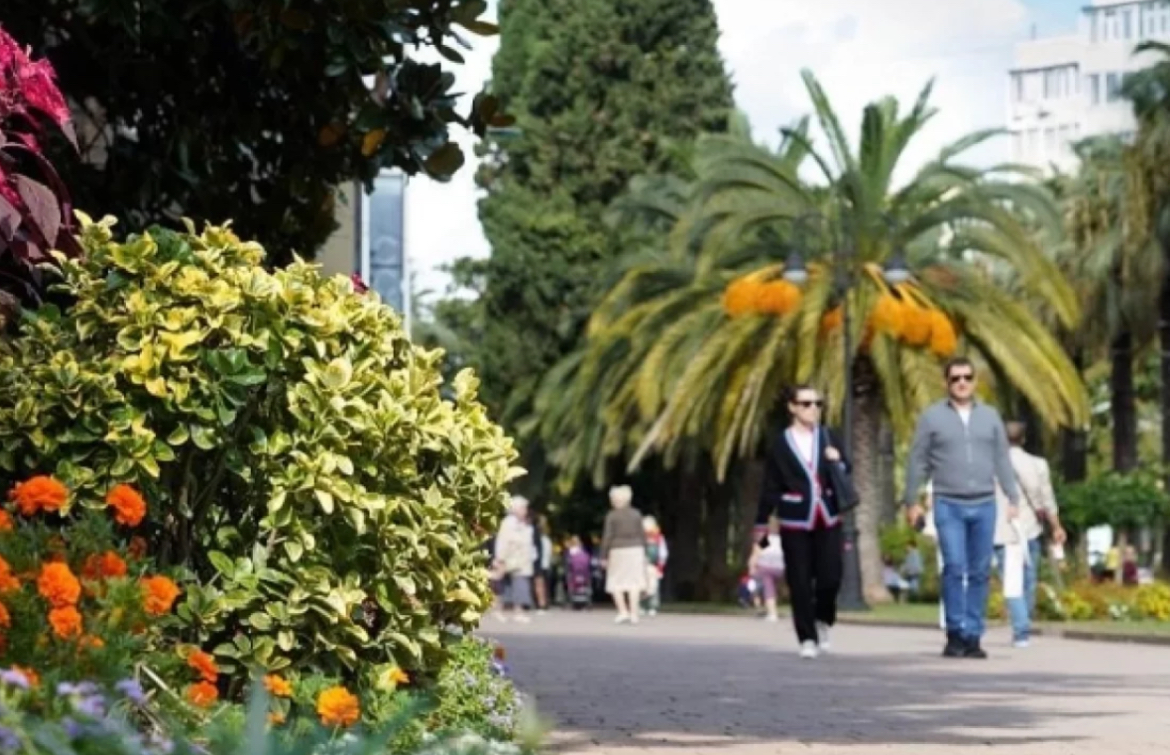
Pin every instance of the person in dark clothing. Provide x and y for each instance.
(797, 491)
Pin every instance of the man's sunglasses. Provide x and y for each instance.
(967, 378)
(806, 404)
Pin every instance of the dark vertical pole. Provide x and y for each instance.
(851, 597)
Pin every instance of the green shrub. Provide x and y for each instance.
(299, 457)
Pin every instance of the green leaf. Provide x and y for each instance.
(204, 437)
(294, 549)
(178, 436)
(325, 498)
(260, 621)
(445, 161)
(222, 563)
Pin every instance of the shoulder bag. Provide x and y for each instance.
(840, 480)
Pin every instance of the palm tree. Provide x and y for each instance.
(1149, 91)
(1118, 268)
(712, 355)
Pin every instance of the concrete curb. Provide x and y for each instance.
(1071, 633)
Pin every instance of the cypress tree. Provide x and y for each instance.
(602, 90)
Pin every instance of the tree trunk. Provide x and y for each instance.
(1123, 403)
(867, 422)
(1074, 441)
(886, 463)
(681, 526)
(715, 539)
(751, 484)
(1164, 343)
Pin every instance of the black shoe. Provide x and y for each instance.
(973, 650)
(956, 647)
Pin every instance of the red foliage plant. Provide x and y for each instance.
(36, 215)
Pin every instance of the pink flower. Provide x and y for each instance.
(26, 84)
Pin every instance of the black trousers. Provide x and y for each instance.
(812, 565)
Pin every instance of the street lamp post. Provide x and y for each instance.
(851, 596)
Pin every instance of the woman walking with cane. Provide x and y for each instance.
(798, 492)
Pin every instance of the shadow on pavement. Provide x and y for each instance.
(619, 690)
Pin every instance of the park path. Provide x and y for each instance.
(734, 686)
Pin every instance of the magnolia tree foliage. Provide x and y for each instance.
(294, 445)
(200, 109)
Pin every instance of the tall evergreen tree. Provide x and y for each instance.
(602, 90)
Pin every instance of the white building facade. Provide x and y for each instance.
(1064, 89)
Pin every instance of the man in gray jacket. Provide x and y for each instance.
(961, 447)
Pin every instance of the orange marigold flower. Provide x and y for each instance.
(204, 664)
(104, 566)
(128, 505)
(40, 493)
(202, 694)
(93, 642)
(398, 676)
(5, 521)
(137, 548)
(337, 706)
(277, 686)
(8, 582)
(66, 622)
(275, 719)
(5, 617)
(58, 585)
(161, 593)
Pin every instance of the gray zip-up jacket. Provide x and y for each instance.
(962, 460)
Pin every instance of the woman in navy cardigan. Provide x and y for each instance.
(797, 491)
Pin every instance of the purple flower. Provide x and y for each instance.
(132, 690)
(92, 706)
(68, 689)
(9, 742)
(15, 678)
(73, 729)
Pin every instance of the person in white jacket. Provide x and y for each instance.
(1038, 506)
(515, 556)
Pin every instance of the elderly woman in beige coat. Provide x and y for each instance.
(623, 551)
(515, 554)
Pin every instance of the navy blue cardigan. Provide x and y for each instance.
(787, 491)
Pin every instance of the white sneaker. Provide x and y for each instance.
(823, 637)
(1021, 644)
(500, 617)
(522, 618)
(653, 612)
(808, 650)
(771, 618)
(621, 618)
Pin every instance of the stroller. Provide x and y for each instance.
(579, 578)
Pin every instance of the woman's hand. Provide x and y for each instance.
(832, 454)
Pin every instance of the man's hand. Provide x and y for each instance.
(832, 454)
(914, 514)
(1013, 512)
(1059, 536)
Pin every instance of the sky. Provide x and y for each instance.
(860, 50)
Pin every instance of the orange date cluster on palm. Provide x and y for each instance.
(899, 317)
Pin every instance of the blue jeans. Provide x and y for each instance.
(966, 538)
(1020, 609)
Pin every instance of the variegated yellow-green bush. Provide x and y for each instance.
(296, 449)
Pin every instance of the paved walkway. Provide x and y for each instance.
(734, 686)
